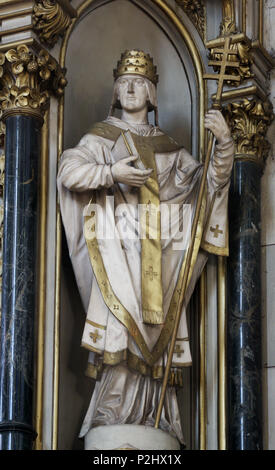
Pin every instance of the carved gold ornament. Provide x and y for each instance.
(249, 121)
(195, 10)
(2, 134)
(26, 79)
(50, 21)
(242, 55)
(138, 63)
(228, 25)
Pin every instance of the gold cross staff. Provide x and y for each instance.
(223, 64)
(221, 77)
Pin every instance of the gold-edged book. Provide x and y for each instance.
(125, 146)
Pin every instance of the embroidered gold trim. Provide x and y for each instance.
(215, 250)
(151, 252)
(91, 348)
(138, 365)
(114, 358)
(161, 143)
(96, 325)
(93, 371)
(181, 364)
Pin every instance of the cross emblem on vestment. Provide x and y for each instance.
(151, 273)
(95, 336)
(150, 207)
(178, 350)
(216, 231)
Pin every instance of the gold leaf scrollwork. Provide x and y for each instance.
(228, 25)
(2, 135)
(27, 79)
(49, 21)
(249, 121)
(196, 11)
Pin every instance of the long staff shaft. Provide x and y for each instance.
(183, 286)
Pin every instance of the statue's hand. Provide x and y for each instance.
(124, 173)
(215, 122)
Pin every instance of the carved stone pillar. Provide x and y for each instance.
(249, 120)
(26, 81)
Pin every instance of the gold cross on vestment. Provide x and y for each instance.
(150, 207)
(151, 273)
(178, 350)
(216, 231)
(95, 336)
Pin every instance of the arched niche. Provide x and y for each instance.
(90, 51)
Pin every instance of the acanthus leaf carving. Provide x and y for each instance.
(249, 121)
(50, 21)
(196, 11)
(27, 79)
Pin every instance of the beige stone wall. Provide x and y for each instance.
(268, 249)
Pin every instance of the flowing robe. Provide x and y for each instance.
(127, 354)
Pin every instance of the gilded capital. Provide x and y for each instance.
(27, 80)
(196, 11)
(50, 21)
(249, 121)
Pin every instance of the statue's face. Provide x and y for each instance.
(132, 93)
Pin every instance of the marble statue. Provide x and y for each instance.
(129, 285)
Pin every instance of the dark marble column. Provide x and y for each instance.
(244, 309)
(19, 282)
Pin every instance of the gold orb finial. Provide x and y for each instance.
(138, 63)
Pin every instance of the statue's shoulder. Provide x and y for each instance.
(162, 142)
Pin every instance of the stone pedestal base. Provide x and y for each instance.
(129, 436)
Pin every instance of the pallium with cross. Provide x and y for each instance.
(221, 77)
(216, 231)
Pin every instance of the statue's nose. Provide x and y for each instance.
(130, 87)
